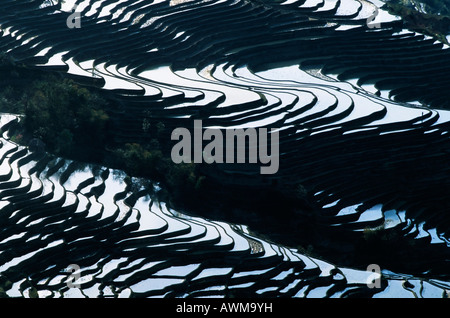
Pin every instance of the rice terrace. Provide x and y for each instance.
(224, 149)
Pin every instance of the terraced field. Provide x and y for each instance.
(359, 102)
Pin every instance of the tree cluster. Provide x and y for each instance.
(65, 115)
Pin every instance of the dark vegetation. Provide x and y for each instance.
(57, 111)
(431, 17)
(72, 121)
(436, 7)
